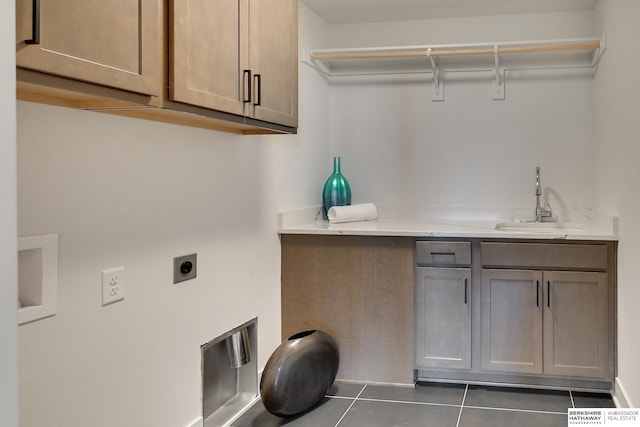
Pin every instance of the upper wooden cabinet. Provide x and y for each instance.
(208, 54)
(230, 65)
(111, 43)
(273, 60)
(236, 56)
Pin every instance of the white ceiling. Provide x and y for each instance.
(348, 11)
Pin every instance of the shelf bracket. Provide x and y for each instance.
(498, 88)
(318, 65)
(438, 84)
(597, 53)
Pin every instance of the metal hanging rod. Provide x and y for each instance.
(452, 51)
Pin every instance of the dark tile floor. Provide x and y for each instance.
(431, 404)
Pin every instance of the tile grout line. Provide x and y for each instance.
(531, 411)
(464, 396)
(405, 402)
(573, 404)
(349, 408)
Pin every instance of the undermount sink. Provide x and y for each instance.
(540, 227)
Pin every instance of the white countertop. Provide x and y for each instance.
(305, 222)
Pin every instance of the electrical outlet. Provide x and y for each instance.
(112, 285)
(184, 268)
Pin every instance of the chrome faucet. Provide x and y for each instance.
(540, 211)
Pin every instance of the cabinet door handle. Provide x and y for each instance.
(246, 77)
(548, 294)
(258, 84)
(537, 293)
(35, 26)
(466, 288)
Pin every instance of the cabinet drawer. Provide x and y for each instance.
(443, 253)
(544, 255)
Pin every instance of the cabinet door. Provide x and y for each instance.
(511, 321)
(274, 61)
(443, 318)
(112, 43)
(575, 324)
(208, 41)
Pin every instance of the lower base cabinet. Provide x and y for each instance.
(511, 322)
(575, 325)
(545, 322)
(477, 310)
(516, 312)
(443, 304)
(443, 318)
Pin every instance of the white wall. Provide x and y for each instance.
(468, 152)
(8, 244)
(124, 192)
(483, 29)
(616, 130)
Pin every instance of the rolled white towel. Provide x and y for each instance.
(351, 213)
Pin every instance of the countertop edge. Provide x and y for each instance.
(308, 221)
(375, 228)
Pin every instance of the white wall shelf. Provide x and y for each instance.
(37, 277)
(439, 59)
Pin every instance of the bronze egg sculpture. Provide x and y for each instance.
(299, 373)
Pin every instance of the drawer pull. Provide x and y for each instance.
(246, 74)
(35, 27)
(466, 286)
(548, 294)
(443, 257)
(443, 253)
(258, 85)
(537, 293)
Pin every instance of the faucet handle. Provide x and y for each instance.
(546, 212)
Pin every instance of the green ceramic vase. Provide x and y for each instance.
(337, 191)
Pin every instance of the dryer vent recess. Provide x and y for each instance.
(184, 268)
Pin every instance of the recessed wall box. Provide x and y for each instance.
(37, 277)
(229, 375)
